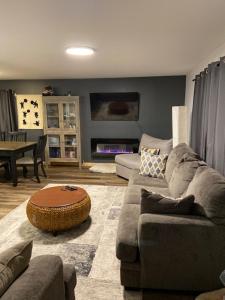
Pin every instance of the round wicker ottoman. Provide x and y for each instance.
(57, 208)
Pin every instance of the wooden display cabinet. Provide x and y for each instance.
(62, 126)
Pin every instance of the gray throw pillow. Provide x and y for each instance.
(208, 187)
(182, 174)
(160, 204)
(13, 262)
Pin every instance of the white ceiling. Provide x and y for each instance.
(131, 37)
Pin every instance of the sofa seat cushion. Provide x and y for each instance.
(126, 242)
(165, 146)
(208, 187)
(131, 161)
(159, 190)
(133, 193)
(175, 157)
(137, 179)
(123, 171)
(182, 175)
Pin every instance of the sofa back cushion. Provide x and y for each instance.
(208, 187)
(13, 262)
(182, 174)
(148, 141)
(175, 157)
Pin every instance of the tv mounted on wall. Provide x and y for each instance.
(115, 106)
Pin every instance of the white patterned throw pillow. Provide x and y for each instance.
(153, 165)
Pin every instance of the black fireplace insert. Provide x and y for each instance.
(107, 148)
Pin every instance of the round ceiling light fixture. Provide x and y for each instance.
(80, 51)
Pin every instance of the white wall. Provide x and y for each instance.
(214, 56)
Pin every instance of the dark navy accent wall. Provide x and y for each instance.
(157, 96)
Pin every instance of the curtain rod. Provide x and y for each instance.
(206, 69)
(13, 92)
(200, 74)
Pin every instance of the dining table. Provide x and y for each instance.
(11, 151)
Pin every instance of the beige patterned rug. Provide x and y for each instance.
(89, 247)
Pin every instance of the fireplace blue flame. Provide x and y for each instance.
(114, 148)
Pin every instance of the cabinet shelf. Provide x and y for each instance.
(54, 146)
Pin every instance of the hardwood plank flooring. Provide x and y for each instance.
(11, 197)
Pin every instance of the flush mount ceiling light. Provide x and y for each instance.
(81, 51)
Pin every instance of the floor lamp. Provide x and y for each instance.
(179, 121)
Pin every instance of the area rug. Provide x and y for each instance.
(89, 247)
(107, 168)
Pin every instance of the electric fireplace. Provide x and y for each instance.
(107, 148)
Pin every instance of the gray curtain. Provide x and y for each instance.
(219, 146)
(208, 115)
(8, 111)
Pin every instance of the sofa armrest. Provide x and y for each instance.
(181, 252)
(70, 281)
(126, 241)
(42, 280)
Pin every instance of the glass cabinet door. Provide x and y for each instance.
(70, 145)
(69, 115)
(54, 146)
(52, 110)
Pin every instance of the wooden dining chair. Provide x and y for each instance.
(5, 164)
(17, 136)
(2, 136)
(36, 160)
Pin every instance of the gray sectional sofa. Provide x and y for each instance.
(174, 252)
(126, 163)
(46, 278)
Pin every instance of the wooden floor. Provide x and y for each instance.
(11, 197)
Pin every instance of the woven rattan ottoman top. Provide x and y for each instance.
(57, 196)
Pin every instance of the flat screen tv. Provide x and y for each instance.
(114, 106)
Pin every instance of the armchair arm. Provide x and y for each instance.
(70, 281)
(42, 280)
(180, 252)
